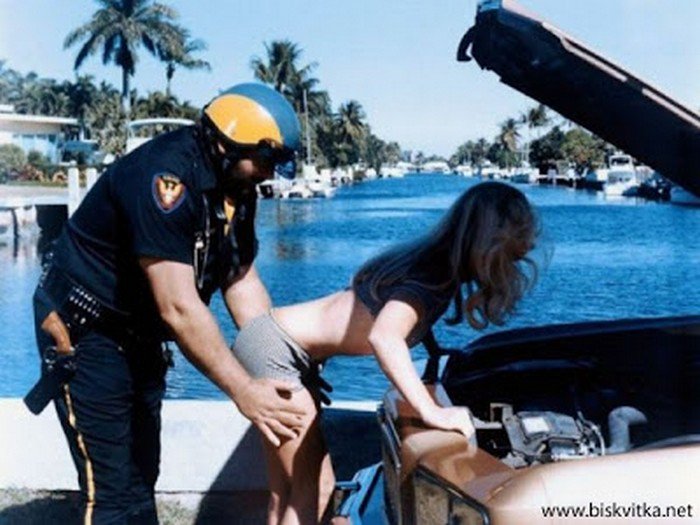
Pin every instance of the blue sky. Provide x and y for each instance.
(395, 57)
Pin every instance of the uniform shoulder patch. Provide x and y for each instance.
(168, 191)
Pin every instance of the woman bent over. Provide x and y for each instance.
(395, 298)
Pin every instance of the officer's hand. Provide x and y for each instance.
(267, 403)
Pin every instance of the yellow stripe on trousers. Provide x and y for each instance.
(90, 480)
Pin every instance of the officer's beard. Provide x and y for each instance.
(236, 187)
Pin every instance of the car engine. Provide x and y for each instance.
(534, 437)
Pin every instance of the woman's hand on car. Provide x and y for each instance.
(450, 418)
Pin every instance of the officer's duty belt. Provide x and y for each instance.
(83, 312)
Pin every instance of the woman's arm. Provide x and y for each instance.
(388, 340)
(246, 296)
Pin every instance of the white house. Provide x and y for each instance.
(35, 132)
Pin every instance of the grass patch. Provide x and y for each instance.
(38, 507)
(36, 183)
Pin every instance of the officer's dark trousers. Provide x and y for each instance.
(110, 414)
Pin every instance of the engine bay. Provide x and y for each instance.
(563, 393)
(522, 439)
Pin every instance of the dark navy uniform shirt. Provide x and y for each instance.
(160, 201)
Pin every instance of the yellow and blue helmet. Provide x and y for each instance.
(254, 116)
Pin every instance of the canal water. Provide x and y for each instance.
(608, 259)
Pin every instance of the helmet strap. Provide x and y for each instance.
(222, 163)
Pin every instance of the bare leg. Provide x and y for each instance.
(279, 481)
(300, 471)
(327, 484)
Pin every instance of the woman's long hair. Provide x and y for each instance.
(482, 241)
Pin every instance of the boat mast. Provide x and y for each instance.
(306, 125)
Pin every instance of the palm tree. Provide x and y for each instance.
(351, 121)
(9, 80)
(106, 121)
(179, 54)
(156, 104)
(44, 97)
(118, 29)
(508, 135)
(280, 69)
(536, 117)
(481, 147)
(350, 131)
(82, 94)
(464, 153)
(374, 151)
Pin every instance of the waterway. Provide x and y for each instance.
(608, 259)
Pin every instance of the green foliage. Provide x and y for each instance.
(583, 149)
(499, 154)
(377, 153)
(463, 155)
(337, 139)
(509, 135)
(178, 52)
(479, 152)
(38, 160)
(118, 29)
(159, 104)
(548, 148)
(342, 138)
(575, 146)
(374, 151)
(12, 160)
(96, 107)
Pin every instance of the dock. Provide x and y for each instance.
(20, 204)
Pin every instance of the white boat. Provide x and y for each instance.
(340, 176)
(272, 189)
(464, 170)
(392, 172)
(621, 177)
(299, 189)
(595, 178)
(682, 196)
(436, 166)
(488, 170)
(320, 188)
(524, 174)
(319, 184)
(142, 130)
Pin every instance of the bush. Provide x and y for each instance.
(12, 159)
(38, 160)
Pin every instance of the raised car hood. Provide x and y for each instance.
(592, 367)
(548, 65)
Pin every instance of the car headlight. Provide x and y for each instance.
(437, 503)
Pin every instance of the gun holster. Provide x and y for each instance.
(58, 365)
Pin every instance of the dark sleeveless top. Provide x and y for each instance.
(414, 289)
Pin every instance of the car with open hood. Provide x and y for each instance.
(597, 420)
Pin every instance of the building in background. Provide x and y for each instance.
(44, 134)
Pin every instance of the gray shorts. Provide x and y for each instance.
(264, 349)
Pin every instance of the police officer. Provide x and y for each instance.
(136, 265)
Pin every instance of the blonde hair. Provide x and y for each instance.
(482, 241)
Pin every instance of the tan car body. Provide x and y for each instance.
(662, 477)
